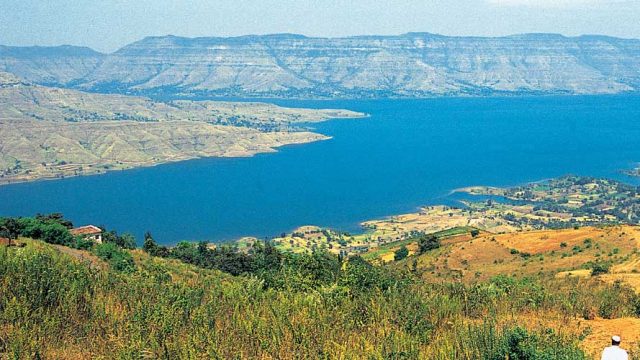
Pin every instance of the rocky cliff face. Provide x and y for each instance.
(414, 65)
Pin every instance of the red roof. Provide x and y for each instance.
(86, 230)
(4, 241)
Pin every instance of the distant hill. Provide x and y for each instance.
(54, 65)
(286, 65)
(51, 132)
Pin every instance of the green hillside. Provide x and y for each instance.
(58, 301)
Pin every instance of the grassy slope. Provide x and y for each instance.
(561, 254)
(545, 252)
(54, 304)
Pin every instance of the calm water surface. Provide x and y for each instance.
(408, 153)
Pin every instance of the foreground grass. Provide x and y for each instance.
(56, 306)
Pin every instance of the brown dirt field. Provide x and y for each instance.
(628, 266)
(477, 256)
(489, 255)
(536, 242)
(582, 273)
(602, 330)
(457, 239)
(630, 279)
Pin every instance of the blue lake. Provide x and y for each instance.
(406, 154)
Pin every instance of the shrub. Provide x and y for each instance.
(599, 268)
(360, 276)
(428, 243)
(401, 253)
(118, 259)
(49, 229)
(487, 342)
(82, 243)
(125, 241)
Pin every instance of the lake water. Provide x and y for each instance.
(406, 154)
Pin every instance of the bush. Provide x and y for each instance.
(360, 276)
(486, 342)
(599, 268)
(428, 243)
(118, 259)
(319, 268)
(52, 228)
(401, 253)
(125, 241)
(82, 243)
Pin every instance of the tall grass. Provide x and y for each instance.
(52, 306)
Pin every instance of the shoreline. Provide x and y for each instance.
(544, 207)
(103, 171)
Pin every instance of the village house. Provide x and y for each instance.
(88, 232)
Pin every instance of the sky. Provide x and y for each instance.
(106, 25)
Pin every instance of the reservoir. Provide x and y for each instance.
(408, 153)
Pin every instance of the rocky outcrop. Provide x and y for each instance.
(412, 65)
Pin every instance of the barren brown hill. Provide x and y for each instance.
(50, 132)
(554, 253)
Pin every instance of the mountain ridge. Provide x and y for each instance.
(371, 66)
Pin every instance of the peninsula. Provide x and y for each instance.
(53, 133)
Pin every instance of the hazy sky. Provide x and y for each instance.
(106, 25)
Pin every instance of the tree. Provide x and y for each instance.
(149, 245)
(55, 217)
(127, 241)
(401, 253)
(599, 268)
(428, 243)
(10, 228)
(266, 257)
(118, 259)
(475, 232)
(361, 276)
(320, 267)
(56, 233)
(187, 252)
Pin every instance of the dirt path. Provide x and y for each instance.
(93, 261)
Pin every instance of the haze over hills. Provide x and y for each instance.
(409, 65)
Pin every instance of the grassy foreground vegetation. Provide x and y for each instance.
(193, 301)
